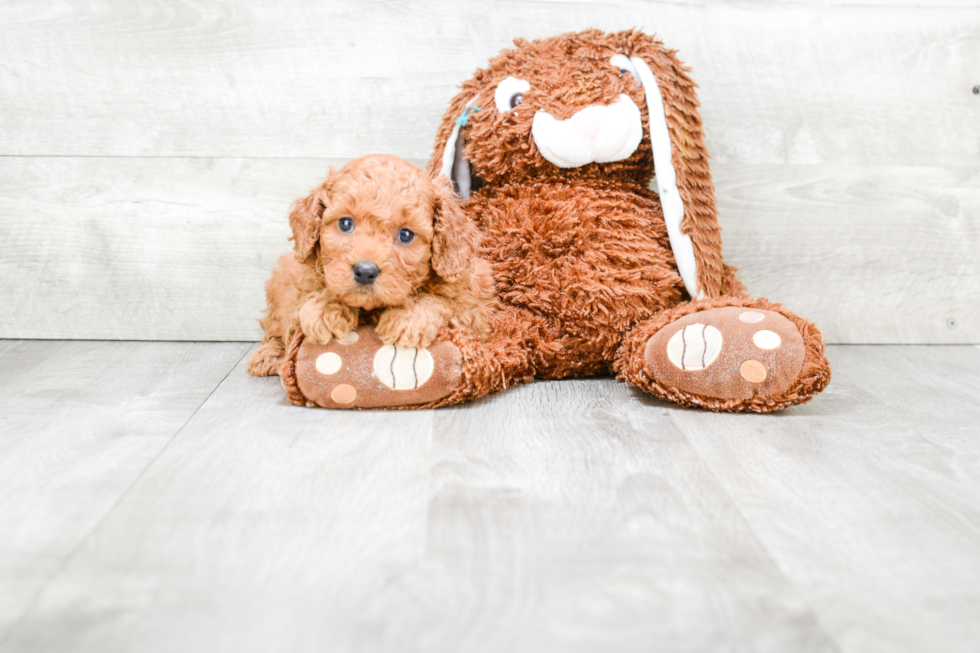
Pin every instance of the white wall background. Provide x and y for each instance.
(149, 150)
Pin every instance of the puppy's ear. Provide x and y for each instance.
(305, 217)
(456, 239)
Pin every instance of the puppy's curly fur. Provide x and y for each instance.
(360, 215)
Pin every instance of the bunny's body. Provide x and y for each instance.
(588, 276)
(554, 147)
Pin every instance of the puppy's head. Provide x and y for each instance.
(379, 228)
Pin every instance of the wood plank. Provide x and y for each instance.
(79, 423)
(179, 249)
(562, 516)
(574, 516)
(265, 527)
(303, 80)
(871, 254)
(946, 379)
(867, 498)
(143, 249)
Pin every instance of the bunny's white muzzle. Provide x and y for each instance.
(596, 134)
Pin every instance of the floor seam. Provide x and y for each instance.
(122, 496)
(831, 640)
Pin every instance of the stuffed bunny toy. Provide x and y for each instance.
(581, 158)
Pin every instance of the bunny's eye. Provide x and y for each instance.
(510, 93)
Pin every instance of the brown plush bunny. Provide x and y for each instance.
(553, 148)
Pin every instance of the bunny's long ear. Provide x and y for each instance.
(683, 176)
(452, 164)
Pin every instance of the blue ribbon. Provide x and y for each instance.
(465, 118)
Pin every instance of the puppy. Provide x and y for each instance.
(377, 242)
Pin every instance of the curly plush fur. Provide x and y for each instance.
(814, 375)
(581, 256)
(432, 281)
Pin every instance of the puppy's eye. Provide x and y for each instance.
(509, 93)
(406, 236)
(345, 224)
(623, 71)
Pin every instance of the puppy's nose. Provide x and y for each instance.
(365, 273)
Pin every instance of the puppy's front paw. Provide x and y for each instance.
(323, 321)
(415, 327)
(265, 361)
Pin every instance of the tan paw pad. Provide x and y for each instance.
(728, 352)
(753, 371)
(349, 339)
(343, 394)
(359, 371)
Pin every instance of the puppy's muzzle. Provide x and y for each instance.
(365, 273)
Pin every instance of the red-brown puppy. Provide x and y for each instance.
(378, 241)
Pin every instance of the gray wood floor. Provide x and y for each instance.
(154, 497)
